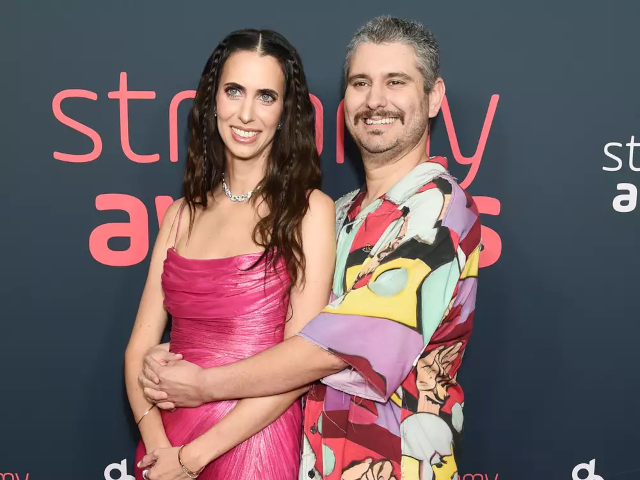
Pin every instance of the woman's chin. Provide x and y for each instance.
(245, 152)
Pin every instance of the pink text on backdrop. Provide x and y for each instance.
(137, 229)
(138, 216)
(123, 95)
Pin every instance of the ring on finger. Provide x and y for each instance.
(144, 474)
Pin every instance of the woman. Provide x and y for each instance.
(243, 261)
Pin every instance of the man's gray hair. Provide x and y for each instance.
(387, 29)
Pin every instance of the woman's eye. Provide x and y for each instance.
(234, 92)
(265, 97)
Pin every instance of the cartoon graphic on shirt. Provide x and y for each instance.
(401, 315)
(433, 379)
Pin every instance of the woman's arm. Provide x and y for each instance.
(149, 325)
(251, 415)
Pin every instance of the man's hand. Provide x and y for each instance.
(162, 355)
(176, 384)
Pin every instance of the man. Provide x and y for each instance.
(388, 347)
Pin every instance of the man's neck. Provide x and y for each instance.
(380, 177)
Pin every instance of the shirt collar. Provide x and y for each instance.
(398, 194)
(408, 185)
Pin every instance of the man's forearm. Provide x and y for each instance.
(287, 366)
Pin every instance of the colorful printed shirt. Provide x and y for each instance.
(400, 315)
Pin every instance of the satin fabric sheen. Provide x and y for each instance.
(222, 314)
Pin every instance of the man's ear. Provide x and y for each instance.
(436, 95)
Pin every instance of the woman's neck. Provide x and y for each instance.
(242, 176)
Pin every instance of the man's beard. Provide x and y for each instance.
(372, 145)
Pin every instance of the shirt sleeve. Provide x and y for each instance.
(381, 328)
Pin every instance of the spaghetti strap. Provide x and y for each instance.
(175, 241)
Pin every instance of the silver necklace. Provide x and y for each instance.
(235, 198)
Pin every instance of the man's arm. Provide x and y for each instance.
(373, 328)
(287, 366)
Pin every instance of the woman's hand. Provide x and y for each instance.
(163, 464)
(162, 355)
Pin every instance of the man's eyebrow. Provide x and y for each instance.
(359, 76)
(401, 75)
(364, 76)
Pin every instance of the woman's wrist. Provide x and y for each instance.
(194, 458)
(157, 441)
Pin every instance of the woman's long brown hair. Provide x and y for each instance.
(293, 166)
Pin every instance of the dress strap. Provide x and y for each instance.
(175, 241)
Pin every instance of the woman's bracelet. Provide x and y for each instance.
(145, 413)
(186, 471)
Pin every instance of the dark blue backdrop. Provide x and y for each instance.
(550, 373)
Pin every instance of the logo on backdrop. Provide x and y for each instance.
(591, 471)
(12, 476)
(627, 200)
(137, 228)
(477, 476)
(119, 467)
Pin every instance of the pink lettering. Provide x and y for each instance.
(69, 122)
(340, 133)
(173, 121)
(488, 205)
(474, 160)
(491, 241)
(137, 229)
(317, 105)
(124, 95)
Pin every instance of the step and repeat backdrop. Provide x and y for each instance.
(540, 124)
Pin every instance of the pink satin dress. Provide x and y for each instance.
(222, 314)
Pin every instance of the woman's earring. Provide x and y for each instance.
(279, 126)
(215, 112)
